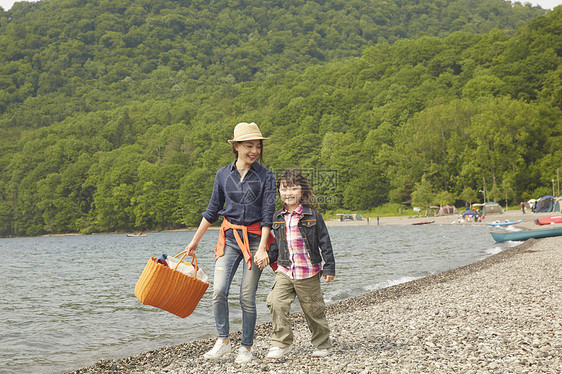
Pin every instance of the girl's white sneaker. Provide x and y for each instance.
(277, 352)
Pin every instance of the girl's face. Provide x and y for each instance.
(248, 151)
(291, 195)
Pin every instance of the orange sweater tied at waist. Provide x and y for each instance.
(244, 244)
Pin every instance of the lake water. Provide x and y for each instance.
(68, 302)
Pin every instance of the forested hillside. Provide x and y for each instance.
(114, 115)
(92, 55)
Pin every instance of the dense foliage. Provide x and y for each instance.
(115, 114)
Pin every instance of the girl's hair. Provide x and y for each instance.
(260, 158)
(293, 177)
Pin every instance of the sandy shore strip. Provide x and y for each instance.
(510, 215)
(499, 315)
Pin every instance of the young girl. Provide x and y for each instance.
(301, 243)
(244, 193)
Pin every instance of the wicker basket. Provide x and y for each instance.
(168, 289)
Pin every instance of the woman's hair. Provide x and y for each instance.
(260, 158)
(293, 177)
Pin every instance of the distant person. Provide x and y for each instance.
(301, 244)
(523, 207)
(244, 193)
(377, 220)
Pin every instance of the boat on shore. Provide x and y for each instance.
(524, 235)
(505, 223)
(548, 220)
(134, 235)
(422, 223)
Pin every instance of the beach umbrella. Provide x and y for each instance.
(469, 213)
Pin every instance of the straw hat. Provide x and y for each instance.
(246, 131)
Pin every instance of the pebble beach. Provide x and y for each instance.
(499, 315)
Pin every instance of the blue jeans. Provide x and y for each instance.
(225, 268)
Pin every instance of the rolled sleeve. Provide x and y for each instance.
(268, 203)
(216, 203)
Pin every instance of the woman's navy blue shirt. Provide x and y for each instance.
(243, 202)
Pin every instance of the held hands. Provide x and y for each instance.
(261, 258)
(329, 278)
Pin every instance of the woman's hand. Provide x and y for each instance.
(191, 247)
(329, 278)
(261, 258)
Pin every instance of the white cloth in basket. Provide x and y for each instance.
(187, 269)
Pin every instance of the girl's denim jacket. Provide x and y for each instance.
(314, 234)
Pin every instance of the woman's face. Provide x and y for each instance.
(248, 151)
(291, 195)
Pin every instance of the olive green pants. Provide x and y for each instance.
(312, 303)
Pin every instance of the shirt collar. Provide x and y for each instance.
(254, 166)
(298, 211)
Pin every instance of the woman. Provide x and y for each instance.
(244, 193)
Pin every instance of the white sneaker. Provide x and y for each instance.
(219, 350)
(244, 355)
(277, 352)
(320, 353)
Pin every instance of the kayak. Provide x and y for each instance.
(422, 223)
(548, 220)
(506, 223)
(524, 235)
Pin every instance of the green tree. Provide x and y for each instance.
(423, 195)
(192, 199)
(469, 195)
(444, 198)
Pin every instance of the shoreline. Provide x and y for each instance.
(499, 314)
(527, 222)
(511, 215)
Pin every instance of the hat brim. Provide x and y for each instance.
(246, 138)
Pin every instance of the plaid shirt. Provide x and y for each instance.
(301, 266)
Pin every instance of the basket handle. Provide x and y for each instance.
(193, 259)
